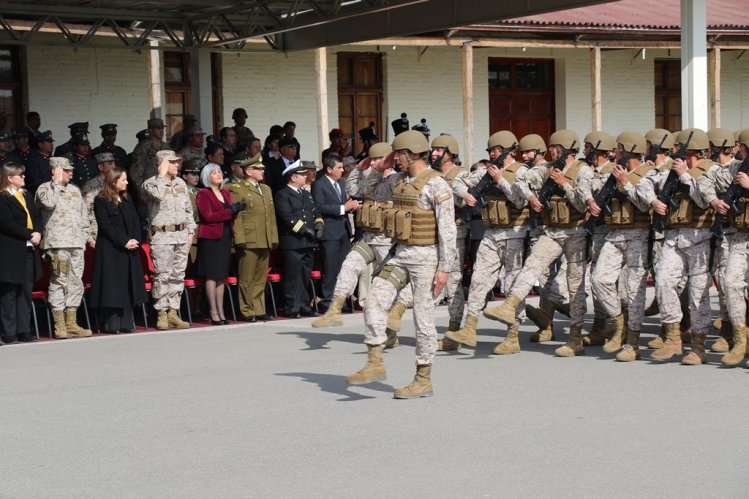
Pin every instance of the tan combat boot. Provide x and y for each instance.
(332, 317)
(725, 342)
(697, 356)
(659, 340)
(61, 331)
(467, 335)
(447, 345)
(543, 315)
(672, 345)
(739, 350)
(511, 343)
(394, 318)
(162, 321)
(421, 386)
(72, 327)
(175, 321)
(543, 335)
(574, 345)
(392, 340)
(373, 370)
(620, 335)
(598, 334)
(718, 323)
(653, 308)
(630, 351)
(504, 313)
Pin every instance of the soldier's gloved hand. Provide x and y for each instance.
(306, 230)
(319, 230)
(237, 207)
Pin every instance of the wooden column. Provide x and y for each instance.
(155, 81)
(321, 71)
(713, 62)
(467, 63)
(595, 89)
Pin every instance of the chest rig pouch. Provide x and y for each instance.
(499, 212)
(406, 223)
(687, 214)
(623, 212)
(562, 213)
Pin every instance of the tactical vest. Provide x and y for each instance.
(562, 213)
(450, 176)
(607, 168)
(624, 214)
(688, 214)
(741, 221)
(666, 164)
(406, 223)
(499, 212)
(371, 216)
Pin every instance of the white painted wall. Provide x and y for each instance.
(66, 85)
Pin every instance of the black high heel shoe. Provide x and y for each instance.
(213, 322)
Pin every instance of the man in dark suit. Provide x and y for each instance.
(299, 226)
(274, 176)
(331, 200)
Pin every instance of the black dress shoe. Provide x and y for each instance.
(27, 338)
(265, 317)
(127, 330)
(296, 315)
(310, 313)
(250, 318)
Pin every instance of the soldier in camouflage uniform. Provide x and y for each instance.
(443, 156)
(563, 234)
(195, 147)
(422, 224)
(713, 185)
(105, 162)
(143, 162)
(172, 226)
(505, 215)
(686, 248)
(376, 189)
(65, 234)
(625, 246)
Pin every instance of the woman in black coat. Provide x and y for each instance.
(20, 266)
(117, 284)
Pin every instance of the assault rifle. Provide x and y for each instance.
(486, 182)
(653, 152)
(608, 191)
(716, 153)
(666, 196)
(732, 194)
(550, 187)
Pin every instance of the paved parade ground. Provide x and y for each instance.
(263, 410)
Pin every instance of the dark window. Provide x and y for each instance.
(10, 89)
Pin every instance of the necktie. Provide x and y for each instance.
(337, 189)
(22, 200)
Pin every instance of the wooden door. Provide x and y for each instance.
(521, 96)
(668, 94)
(359, 94)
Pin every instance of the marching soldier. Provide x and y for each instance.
(109, 137)
(255, 234)
(713, 185)
(172, 226)
(686, 247)
(562, 234)
(377, 191)
(422, 225)
(506, 216)
(65, 235)
(144, 163)
(625, 246)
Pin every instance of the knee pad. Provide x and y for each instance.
(365, 251)
(395, 275)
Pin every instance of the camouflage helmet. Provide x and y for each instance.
(503, 140)
(565, 138)
(633, 142)
(412, 140)
(721, 137)
(447, 142)
(656, 137)
(532, 142)
(698, 142)
(744, 137)
(601, 141)
(379, 150)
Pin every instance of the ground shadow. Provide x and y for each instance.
(319, 341)
(334, 383)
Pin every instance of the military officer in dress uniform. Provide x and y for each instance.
(6, 156)
(23, 149)
(79, 129)
(255, 234)
(422, 225)
(109, 137)
(37, 167)
(172, 226)
(84, 163)
(65, 235)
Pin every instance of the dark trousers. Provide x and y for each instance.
(296, 274)
(15, 305)
(334, 253)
